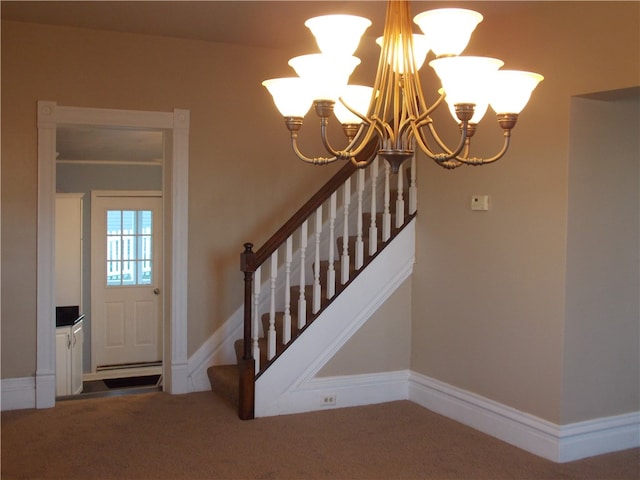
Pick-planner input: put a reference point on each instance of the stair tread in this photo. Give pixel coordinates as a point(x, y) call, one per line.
point(224, 381)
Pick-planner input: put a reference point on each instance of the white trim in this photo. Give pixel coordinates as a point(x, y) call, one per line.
point(598, 436)
point(178, 382)
point(45, 263)
point(533, 434)
point(18, 393)
point(49, 116)
point(349, 391)
point(276, 388)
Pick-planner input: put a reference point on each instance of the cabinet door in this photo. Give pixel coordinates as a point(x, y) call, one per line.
point(63, 362)
point(77, 339)
point(69, 249)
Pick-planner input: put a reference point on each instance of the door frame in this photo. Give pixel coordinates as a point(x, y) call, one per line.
point(175, 194)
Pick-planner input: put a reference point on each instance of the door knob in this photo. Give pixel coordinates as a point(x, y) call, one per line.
point(156, 291)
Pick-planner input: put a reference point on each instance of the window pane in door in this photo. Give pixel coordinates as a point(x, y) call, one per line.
point(129, 247)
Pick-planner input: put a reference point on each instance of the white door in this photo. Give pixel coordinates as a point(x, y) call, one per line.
point(126, 279)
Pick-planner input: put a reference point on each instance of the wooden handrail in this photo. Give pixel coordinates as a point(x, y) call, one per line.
point(278, 238)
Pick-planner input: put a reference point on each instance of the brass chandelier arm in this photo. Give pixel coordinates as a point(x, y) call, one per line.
point(325, 138)
point(475, 161)
point(294, 124)
point(424, 118)
point(448, 154)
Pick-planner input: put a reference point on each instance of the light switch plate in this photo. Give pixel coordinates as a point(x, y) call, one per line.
point(480, 202)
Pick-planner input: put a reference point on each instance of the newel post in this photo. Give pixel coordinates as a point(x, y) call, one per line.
point(247, 363)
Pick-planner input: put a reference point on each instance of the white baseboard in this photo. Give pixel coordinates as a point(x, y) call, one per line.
point(18, 393)
point(554, 442)
point(599, 436)
point(178, 381)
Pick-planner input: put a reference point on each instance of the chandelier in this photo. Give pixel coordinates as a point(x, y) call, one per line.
point(392, 117)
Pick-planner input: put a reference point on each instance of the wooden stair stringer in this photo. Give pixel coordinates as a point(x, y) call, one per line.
point(281, 388)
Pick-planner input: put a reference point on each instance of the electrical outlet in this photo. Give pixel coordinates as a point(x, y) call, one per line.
point(328, 399)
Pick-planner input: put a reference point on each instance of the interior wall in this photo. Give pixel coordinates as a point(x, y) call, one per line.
point(602, 348)
point(382, 344)
point(238, 145)
point(489, 287)
point(488, 291)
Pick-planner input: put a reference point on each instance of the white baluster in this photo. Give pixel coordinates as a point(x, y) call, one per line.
point(331, 272)
point(413, 189)
point(302, 302)
point(345, 239)
point(386, 215)
point(255, 328)
point(359, 242)
point(317, 292)
point(373, 228)
point(286, 324)
point(271, 335)
point(400, 199)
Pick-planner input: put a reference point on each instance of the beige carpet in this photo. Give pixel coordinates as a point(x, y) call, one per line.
point(198, 436)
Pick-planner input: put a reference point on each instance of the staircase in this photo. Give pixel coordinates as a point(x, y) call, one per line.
point(294, 283)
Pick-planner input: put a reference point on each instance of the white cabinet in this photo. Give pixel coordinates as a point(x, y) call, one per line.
point(69, 249)
point(69, 342)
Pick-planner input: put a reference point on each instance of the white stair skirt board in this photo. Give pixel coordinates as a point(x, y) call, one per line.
point(558, 443)
point(280, 389)
point(217, 350)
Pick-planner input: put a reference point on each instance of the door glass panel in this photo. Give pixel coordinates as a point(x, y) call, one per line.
point(129, 247)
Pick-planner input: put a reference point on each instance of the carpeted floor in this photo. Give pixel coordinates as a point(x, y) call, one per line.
point(198, 436)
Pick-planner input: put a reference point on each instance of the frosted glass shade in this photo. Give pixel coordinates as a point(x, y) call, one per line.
point(448, 30)
point(326, 75)
point(512, 90)
point(420, 50)
point(290, 95)
point(338, 34)
point(358, 97)
point(466, 79)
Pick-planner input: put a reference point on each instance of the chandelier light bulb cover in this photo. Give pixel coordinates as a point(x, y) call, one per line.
point(357, 97)
point(420, 51)
point(448, 30)
point(393, 114)
point(324, 73)
point(338, 34)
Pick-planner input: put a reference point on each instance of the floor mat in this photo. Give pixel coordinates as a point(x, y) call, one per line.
point(127, 382)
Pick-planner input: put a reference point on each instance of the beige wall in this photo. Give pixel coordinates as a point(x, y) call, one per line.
point(488, 293)
point(239, 153)
point(489, 288)
point(382, 344)
point(602, 353)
